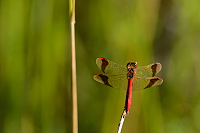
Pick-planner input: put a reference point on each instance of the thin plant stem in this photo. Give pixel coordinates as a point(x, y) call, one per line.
point(74, 83)
point(121, 121)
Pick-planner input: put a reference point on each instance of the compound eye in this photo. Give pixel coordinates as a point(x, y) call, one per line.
point(133, 64)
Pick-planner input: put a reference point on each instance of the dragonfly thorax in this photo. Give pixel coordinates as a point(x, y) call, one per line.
point(131, 66)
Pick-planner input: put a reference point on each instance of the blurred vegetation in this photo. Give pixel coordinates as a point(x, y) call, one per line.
point(35, 93)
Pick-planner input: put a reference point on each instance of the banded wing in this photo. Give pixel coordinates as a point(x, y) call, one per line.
point(115, 81)
point(149, 70)
point(115, 74)
point(140, 83)
point(111, 68)
point(144, 77)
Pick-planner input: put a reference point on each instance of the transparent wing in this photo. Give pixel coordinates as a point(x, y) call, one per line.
point(110, 67)
point(116, 81)
point(140, 83)
point(116, 75)
point(149, 70)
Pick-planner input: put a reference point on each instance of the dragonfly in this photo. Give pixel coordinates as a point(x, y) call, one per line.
point(130, 77)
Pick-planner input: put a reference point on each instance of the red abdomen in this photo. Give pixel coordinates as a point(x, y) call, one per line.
point(128, 96)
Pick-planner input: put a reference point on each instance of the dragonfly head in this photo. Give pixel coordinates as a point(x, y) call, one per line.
point(131, 65)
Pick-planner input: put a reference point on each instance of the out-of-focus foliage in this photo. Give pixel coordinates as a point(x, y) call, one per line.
point(35, 94)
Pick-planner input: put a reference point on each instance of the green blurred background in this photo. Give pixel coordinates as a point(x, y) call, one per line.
point(35, 93)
